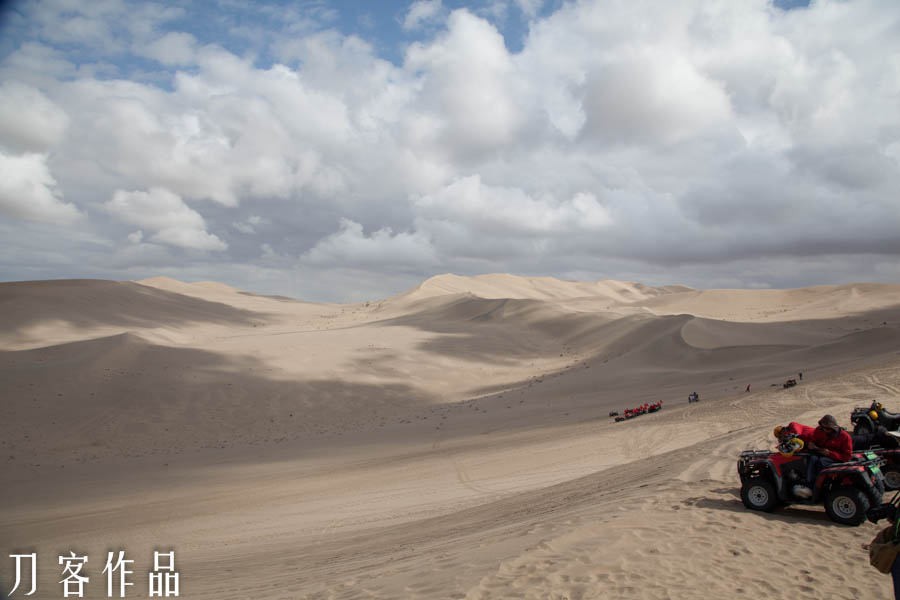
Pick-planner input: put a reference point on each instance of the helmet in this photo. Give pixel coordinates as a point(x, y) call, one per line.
point(778, 431)
point(789, 446)
point(873, 414)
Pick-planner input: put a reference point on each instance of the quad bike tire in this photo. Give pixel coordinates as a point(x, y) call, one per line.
point(846, 505)
point(891, 477)
point(862, 427)
point(759, 494)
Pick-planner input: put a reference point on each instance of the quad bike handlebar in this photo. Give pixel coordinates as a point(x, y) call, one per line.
point(789, 444)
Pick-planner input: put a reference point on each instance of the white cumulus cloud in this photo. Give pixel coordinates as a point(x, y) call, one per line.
point(470, 101)
point(421, 12)
point(174, 48)
point(702, 140)
point(165, 213)
point(28, 191)
point(511, 211)
point(29, 120)
point(351, 247)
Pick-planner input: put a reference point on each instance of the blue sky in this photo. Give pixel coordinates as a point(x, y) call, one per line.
point(380, 24)
point(229, 23)
point(315, 150)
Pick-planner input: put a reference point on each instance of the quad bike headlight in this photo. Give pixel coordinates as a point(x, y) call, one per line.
point(873, 414)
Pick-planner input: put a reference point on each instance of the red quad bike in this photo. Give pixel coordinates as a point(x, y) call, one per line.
point(790, 383)
point(891, 468)
point(846, 489)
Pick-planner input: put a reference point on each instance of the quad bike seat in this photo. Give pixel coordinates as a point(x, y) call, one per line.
point(890, 420)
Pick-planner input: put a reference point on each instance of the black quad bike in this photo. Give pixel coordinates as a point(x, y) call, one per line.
point(847, 490)
point(868, 419)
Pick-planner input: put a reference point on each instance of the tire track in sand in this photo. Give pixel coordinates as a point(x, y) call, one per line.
point(462, 474)
point(875, 381)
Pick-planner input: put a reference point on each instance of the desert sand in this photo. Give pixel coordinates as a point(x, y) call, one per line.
point(449, 442)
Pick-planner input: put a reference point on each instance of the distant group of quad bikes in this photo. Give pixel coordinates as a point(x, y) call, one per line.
point(630, 413)
point(851, 491)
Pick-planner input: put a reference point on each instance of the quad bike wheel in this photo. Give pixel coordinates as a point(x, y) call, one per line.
point(891, 477)
point(759, 494)
point(862, 427)
point(846, 505)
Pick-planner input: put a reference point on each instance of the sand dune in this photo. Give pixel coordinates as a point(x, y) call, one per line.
point(820, 302)
point(505, 286)
point(42, 313)
point(452, 441)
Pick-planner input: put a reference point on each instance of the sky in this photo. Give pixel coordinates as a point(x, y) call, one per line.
point(328, 152)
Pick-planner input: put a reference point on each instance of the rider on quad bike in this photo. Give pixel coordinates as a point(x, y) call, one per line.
point(829, 444)
point(847, 489)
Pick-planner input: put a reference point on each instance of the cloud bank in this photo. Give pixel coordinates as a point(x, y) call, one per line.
point(711, 143)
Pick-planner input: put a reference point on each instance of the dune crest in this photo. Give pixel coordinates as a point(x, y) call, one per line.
point(533, 288)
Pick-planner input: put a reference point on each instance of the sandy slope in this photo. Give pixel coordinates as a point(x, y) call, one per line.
point(452, 441)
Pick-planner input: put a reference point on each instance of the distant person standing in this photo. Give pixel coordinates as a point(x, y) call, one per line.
point(800, 375)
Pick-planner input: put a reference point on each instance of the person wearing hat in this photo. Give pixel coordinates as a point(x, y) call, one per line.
point(829, 444)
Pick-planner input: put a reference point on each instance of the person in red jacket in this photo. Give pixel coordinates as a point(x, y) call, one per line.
point(804, 432)
point(831, 441)
point(828, 444)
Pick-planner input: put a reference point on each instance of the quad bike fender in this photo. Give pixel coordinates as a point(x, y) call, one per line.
point(859, 413)
point(850, 475)
point(862, 421)
point(762, 469)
